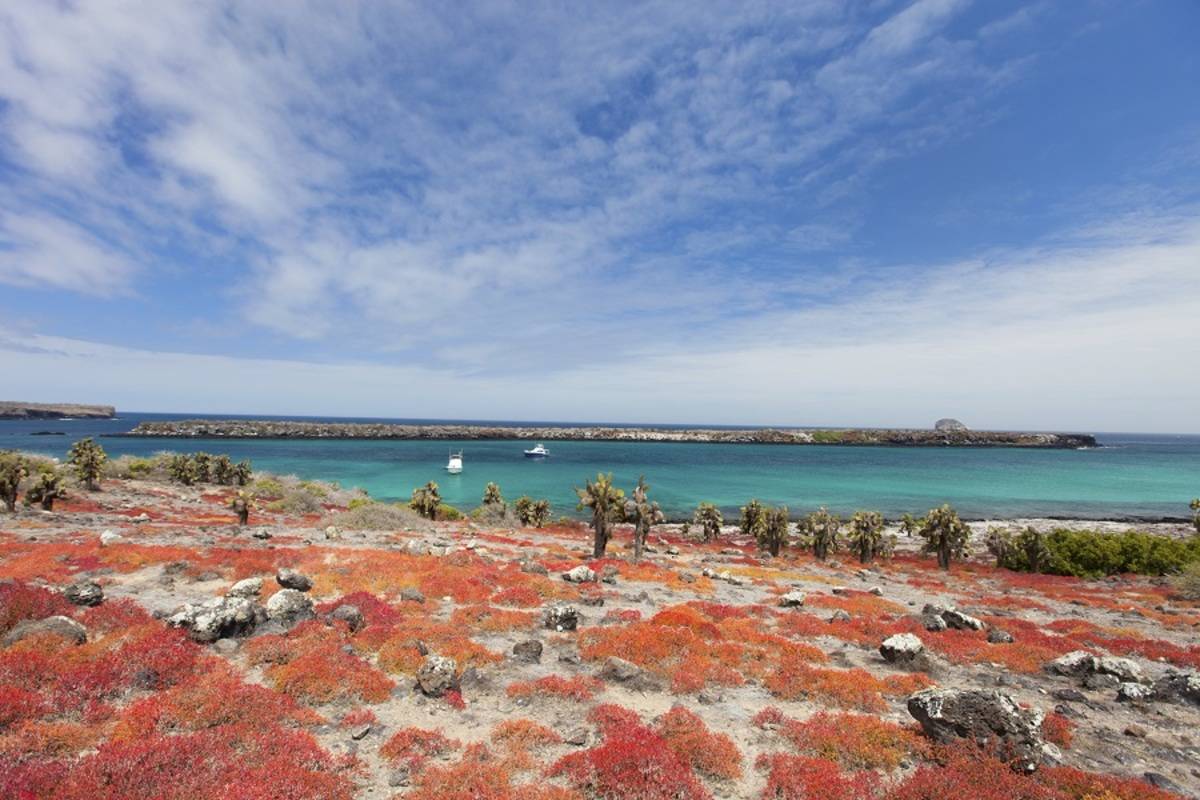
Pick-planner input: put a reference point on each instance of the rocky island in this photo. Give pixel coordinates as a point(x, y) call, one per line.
point(958, 436)
point(13, 410)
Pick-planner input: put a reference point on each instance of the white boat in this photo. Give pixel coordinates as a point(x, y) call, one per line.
point(537, 452)
point(455, 464)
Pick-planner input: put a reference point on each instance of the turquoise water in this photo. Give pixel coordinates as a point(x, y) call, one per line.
point(1142, 476)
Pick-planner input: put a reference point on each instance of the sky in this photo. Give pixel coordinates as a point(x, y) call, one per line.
point(817, 212)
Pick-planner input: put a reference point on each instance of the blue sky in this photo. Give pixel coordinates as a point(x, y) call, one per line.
point(799, 213)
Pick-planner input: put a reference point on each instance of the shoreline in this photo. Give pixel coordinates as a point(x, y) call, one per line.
point(850, 437)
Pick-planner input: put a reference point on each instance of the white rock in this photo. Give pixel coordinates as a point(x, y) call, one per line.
point(792, 600)
point(108, 538)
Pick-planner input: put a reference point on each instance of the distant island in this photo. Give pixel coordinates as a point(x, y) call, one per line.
point(10, 409)
point(956, 435)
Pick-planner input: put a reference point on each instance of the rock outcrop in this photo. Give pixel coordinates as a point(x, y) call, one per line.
point(983, 715)
point(13, 410)
point(63, 627)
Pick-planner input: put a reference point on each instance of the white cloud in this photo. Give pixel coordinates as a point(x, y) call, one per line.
point(44, 252)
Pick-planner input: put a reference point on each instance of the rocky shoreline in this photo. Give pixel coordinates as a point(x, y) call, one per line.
point(279, 429)
point(15, 410)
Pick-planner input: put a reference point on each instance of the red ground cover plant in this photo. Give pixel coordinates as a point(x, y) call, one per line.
point(216, 698)
point(853, 741)
point(1058, 730)
point(357, 717)
point(519, 597)
point(631, 761)
point(414, 747)
point(693, 646)
point(847, 688)
point(713, 755)
point(580, 688)
point(492, 619)
point(964, 770)
point(519, 739)
point(480, 774)
point(21, 601)
point(791, 777)
point(310, 664)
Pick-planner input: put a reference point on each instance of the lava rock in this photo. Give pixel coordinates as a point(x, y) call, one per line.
point(412, 595)
point(792, 600)
point(999, 636)
point(981, 715)
point(64, 627)
point(349, 614)
point(247, 588)
point(580, 574)
point(561, 617)
point(436, 676)
point(902, 648)
point(289, 606)
point(528, 651)
point(1130, 692)
point(291, 579)
point(618, 670)
point(1074, 664)
point(84, 593)
point(219, 618)
point(1178, 686)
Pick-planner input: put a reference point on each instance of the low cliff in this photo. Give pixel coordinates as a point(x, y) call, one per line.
point(269, 429)
point(14, 410)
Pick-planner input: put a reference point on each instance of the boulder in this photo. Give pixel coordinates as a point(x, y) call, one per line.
point(84, 593)
point(902, 648)
point(619, 670)
point(1131, 692)
point(412, 595)
point(609, 574)
point(933, 622)
point(580, 574)
point(1076, 663)
point(289, 606)
point(247, 588)
point(63, 627)
point(998, 636)
point(560, 617)
point(534, 568)
point(983, 715)
point(528, 651)
point(349, 614)
point(221, 617)
point(949, 425)
point(109, 538)
point(962, 622)
point(840, 615)
point(1178, 686)
point(1125, 669)
point(291, 579)
point(437, 675)
point(792, 600)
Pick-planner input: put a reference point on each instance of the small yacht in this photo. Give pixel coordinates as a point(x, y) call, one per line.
point(537, 452)
point(455, 464)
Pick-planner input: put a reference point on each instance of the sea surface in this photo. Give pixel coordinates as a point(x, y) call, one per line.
point(1131, 476)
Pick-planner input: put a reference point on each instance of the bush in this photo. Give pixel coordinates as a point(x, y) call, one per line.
point(297, 500)
point(1187, 583)
point(1091, 554)
point(449, 513)
point(369, 515)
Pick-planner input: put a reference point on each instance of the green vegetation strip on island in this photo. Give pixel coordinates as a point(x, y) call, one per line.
point(279, 429)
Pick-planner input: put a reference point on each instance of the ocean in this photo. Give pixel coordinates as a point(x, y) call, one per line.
point(1130, 476)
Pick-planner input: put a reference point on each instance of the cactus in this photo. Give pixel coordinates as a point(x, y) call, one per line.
point(1195, 507)
point(492, 496)
point(644, 513)
point(866, 536)
point(1032, 545)
point(532, 512)
point(999, 542)
point(910, 524)
point(221, 471)
point(946, 535)
point(607, 503)
point(182, 469)
point(12, 471)
point(821, 530)
point(752, 519)
point(773, 529)
point(425, 500)
point(242, 472)
point(709, 518)
point(240, 503)
point(88, 457)
point(46, 489)
point(202, 466)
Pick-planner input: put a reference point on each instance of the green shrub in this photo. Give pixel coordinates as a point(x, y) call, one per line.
point(1187, 583)
point(297, 500)
point(1091, 554)
point(267, 487)
point(359, 502)
point(370, 515)
point(445, 512)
